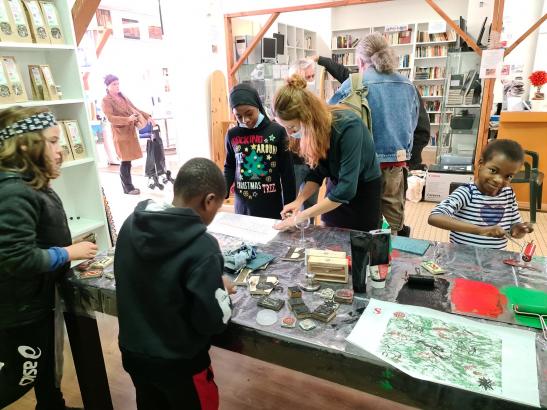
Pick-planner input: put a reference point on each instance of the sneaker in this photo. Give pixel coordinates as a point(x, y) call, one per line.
point(135, 191)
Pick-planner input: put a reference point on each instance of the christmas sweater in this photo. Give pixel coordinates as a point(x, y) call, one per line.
point(260, 167)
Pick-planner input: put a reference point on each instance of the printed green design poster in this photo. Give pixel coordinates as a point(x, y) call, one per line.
point(451, 350)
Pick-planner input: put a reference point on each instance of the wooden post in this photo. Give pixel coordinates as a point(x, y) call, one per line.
point(82, 13)
point(229, 38)
point(526, 34)
point(455, 27)
point(253, 44)
point(488, 90)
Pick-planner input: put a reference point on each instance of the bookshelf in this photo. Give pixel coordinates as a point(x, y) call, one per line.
point(422, 58)
point(299, 43)
point(78, 186)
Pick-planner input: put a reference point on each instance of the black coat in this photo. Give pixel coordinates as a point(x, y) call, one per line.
point(31, 221)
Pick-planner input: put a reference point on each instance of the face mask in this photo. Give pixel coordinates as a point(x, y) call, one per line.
point(260, 119)
point(311, 86)
point(297, 135)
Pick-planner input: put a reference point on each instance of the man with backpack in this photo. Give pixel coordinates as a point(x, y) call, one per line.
point(394, 106)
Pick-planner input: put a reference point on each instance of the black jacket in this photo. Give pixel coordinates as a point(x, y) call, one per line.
point(170, 294)
point(31, 221)
point(422, 133)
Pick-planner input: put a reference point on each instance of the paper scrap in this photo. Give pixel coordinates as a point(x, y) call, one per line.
point(491, 62)
point(448, 349)
point(247, 228)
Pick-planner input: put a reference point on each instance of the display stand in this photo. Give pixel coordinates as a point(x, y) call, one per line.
point(78, 186)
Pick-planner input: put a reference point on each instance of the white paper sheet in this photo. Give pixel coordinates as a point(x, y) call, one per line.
point(247, 228)
point(491, 62)
point(448, 349)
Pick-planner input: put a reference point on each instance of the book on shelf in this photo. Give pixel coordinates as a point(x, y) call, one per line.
point(425, 37)
point(434, 118)
point(345, 41)
point(405, 73)
point(430, 90)
point(432, 105)
point(399, 37)
point(429, 73)
point(404, 61)
point(344, 58)
point(431, 51)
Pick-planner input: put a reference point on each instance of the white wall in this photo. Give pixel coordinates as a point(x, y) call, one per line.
point(540, 61)
point(394, 12)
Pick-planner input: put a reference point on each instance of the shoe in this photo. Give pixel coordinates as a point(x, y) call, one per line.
point(135, 191)
point(168, 178)
point(405, 231)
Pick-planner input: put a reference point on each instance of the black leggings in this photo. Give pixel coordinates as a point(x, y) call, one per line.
point(363, 211)
point(125, 175)
point(27, 360)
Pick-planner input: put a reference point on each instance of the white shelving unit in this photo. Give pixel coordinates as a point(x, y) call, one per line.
point(343, 50)
point(78, 186)
point(299, 43)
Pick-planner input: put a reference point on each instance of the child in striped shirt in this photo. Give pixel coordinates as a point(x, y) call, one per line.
point(485, 212)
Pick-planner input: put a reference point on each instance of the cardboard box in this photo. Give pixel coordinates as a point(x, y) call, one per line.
point(36, 22)
point(6, 94)
point(437, 184)
point(22, 29)
point(15, 79)
point(52, 89)
point(53, 22)
point(8, 32)
point(74, 137)
point(39, 88)
point(65, 144)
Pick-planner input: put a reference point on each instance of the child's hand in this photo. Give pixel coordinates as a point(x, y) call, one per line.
point(494, 231)
point(228, 285)
point(81, 250)
point(519, 230)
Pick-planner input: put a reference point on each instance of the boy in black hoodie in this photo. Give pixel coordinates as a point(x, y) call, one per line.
point(171, 294)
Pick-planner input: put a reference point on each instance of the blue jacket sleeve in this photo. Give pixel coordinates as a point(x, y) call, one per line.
point(341, 93)
point(351, 142)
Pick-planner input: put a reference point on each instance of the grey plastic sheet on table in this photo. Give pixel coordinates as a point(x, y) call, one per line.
point(460, 261)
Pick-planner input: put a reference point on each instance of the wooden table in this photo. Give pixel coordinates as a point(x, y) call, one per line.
point(323, 351)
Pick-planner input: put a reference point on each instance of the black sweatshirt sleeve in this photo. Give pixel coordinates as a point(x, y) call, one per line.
point(286, 168)
point(338, 71)
point(19, 215)
point(422, 134)
point(229, 165)
point(210, 306)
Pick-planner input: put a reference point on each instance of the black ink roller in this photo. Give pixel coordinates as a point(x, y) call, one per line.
point(420, 281)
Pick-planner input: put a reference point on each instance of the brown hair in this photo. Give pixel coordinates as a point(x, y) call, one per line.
point(374, 49)
point(294, 102)
point(31, 160)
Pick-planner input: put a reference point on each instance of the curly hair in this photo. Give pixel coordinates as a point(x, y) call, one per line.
point(294, 102)
point(26, 153)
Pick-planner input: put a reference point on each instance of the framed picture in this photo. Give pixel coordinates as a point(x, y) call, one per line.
point(131, 29)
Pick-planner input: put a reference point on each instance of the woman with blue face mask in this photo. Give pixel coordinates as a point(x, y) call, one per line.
point(258, 163)
point(337, 146)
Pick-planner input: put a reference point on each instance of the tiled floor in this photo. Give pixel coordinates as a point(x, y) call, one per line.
point(416, 213)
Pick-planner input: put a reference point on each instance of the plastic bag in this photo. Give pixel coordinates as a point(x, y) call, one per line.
point(415, 188)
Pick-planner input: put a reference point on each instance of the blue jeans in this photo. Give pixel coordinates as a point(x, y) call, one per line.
point(300, 172)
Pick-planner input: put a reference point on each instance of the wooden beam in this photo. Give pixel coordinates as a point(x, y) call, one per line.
point(102, 42)
point(253, 44)
point(526, 34)
point(229, 39)
point(488, 90)
point(455, 27)
point(82, 13)
point(316, 6)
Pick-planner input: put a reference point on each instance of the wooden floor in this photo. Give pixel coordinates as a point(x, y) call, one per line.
point(244, 383)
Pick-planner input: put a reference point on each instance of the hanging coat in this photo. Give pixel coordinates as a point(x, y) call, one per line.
point(124, 133)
